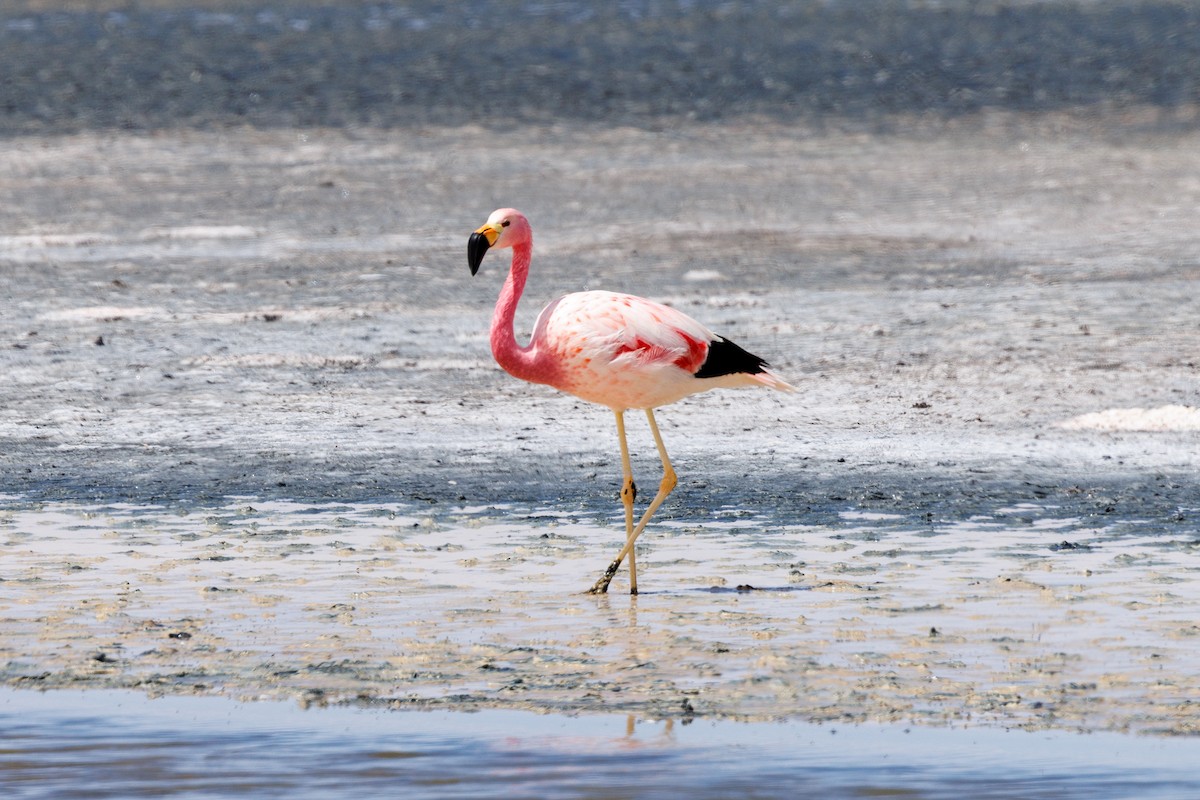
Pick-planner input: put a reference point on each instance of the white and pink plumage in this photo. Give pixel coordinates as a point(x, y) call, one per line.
point(617, 350)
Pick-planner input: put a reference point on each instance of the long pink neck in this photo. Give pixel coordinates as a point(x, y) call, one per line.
point(521, 362)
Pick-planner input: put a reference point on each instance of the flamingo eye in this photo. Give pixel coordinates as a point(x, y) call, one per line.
point(504, 224)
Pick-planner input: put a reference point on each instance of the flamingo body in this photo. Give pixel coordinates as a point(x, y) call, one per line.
point(616, 350)
point(624, 352)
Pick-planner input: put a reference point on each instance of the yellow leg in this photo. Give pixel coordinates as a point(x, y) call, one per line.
point(628, 495)
point(669, 481)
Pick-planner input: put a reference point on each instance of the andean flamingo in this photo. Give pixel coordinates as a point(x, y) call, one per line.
point(617, 350)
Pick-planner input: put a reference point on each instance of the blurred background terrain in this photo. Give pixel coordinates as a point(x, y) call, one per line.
point(150, 64)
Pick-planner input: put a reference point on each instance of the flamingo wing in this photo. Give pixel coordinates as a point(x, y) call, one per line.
point(654, 334)
point(650, 333)
point(625, 330)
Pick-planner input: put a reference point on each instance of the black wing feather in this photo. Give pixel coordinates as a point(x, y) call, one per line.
point(726, 358)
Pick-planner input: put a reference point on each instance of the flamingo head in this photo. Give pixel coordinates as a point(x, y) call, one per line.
point(506, 227)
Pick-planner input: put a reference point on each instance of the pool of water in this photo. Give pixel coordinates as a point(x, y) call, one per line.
point(120, 744)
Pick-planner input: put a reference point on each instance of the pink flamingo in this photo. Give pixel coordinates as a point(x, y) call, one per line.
point(617, 350)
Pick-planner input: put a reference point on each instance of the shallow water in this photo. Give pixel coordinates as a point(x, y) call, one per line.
point(120, 744)
point(1027, 616)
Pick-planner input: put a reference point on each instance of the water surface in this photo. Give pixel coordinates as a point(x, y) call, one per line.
point(111, 744)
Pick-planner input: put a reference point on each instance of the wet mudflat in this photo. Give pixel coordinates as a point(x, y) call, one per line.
point(1019, 618)
point(260, 449)
point(253, 445)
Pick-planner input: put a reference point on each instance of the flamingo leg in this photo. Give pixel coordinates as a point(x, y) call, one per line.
point(628, 495)
point(669, 481)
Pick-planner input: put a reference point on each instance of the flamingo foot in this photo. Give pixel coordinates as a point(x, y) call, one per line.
point(601, 586)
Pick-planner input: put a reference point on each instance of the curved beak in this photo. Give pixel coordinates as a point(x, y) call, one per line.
point(478, 244)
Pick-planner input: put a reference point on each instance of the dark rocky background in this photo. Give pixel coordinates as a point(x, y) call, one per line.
point(148, 65)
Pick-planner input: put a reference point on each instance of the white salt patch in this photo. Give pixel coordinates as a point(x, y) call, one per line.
point(54, 240)
point(274, 360)
point(201, 232)
point(700, 275)
point(293, 315)
point(1163, 418)
point(433, 364)
point(102, 313)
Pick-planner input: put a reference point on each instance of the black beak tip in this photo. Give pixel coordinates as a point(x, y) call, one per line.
point(477, 247)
